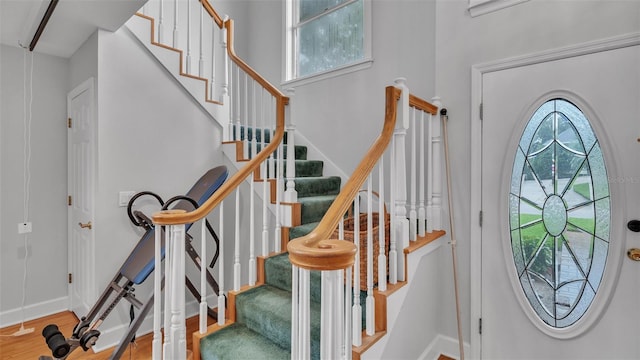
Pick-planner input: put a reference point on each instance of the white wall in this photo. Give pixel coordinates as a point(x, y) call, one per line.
point(47, 244)
point(403, 45)
point(462, 41)
point(151, 136)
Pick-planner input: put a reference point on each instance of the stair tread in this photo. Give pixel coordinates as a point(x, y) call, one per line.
point(236, 341)
point(313, 208)
point(267, 310)
point(317, 185)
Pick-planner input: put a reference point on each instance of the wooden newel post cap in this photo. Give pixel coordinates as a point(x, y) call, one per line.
point(165, 217)
point(329, 254)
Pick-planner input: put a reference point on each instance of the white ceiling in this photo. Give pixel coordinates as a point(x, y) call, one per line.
point(72, 22)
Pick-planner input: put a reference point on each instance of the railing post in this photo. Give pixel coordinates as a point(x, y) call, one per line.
point(436, 173)
point(175, 344)
point(331, 315)
point(290, 194)
point(161, 23)
point(400, 230)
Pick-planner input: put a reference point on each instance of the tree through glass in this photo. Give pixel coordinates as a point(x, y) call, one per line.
point(559, 213)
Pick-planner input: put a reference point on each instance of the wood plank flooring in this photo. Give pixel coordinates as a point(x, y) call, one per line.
point(31, 346)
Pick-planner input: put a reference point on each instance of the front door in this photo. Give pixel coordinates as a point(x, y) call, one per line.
point(81, 159)
point(560, 181)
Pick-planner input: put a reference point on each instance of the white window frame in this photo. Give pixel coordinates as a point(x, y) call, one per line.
point(290, 63)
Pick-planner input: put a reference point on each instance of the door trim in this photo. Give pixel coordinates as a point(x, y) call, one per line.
point(477, 72)
point(87, 85)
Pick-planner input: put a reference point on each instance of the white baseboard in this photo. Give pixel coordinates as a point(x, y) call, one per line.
point(111, 337)
point(444, 345)
point(34, 311)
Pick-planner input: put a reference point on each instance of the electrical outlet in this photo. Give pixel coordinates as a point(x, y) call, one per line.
point(24, 227)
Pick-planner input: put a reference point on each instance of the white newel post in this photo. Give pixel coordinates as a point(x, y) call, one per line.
point(175, 345)
point(399, 210)
point(436, 160)
point(290, 194)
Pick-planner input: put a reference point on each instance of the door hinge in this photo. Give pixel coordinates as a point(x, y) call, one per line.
point(480, 326)
point(69, 200)
point(70, 278)
point(481, 111)
point(69, 122)
point(480, 218)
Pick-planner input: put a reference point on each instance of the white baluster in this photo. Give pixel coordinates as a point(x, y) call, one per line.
point(161, 23)
point(429, 227)
point(188, 37)
point(236, 253)
point(279, 185)
point(264, 174)
point(236, 101)
point(212, 81)
point(382, 254)
point(295, 312)
point(305, 315)
point(156, 347)
point(221, 298)
point(393, 253)
point(252, 233)
point(245, 114)
point(400, 211)
point(265, 200)
point(203, 277)
point(201, 43)
point(370, 303)
point(225, 58)
point(175, 25)
point(413, 215)
point(290, 194)
point(357, 309)
point(348, 317)
point(437, 170)
point(422, 216)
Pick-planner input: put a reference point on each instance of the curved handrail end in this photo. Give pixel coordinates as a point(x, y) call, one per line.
point(330, 254)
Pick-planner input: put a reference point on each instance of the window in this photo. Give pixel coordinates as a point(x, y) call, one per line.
point(325, 35)
point(559, 213)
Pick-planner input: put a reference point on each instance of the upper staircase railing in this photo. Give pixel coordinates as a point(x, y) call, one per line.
point(341, 262)
point(257, 116)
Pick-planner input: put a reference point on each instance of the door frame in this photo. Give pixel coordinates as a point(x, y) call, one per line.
point(87, 85)
point(475, 208)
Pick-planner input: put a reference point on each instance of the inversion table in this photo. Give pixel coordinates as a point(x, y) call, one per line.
point(135, 270)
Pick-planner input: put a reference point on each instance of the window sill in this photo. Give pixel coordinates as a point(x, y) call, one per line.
point(481, 7)
point(343, 70)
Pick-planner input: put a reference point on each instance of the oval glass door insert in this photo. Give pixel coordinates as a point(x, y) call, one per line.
point(559, 213)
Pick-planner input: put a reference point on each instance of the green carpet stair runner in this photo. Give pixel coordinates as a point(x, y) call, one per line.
point(263, 314)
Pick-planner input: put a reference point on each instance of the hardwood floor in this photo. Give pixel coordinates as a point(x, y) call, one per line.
point(31, 346)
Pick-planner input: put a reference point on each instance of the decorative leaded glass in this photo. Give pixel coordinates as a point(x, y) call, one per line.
point(559, 213)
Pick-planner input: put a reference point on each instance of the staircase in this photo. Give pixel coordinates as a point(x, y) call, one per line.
point(262, 327)
point(259, 316)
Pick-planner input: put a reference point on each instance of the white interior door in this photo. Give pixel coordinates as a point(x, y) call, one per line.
point(574, 238)
point(81, 159)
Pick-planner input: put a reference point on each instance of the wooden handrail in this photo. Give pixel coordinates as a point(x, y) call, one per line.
point(167, 218)
point(212, 12)
point(423, 105)
point(316, 251)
